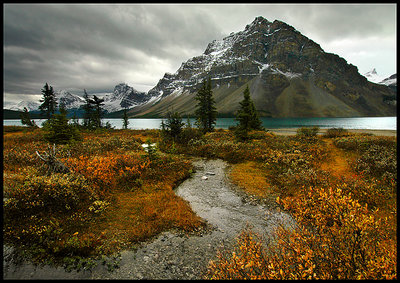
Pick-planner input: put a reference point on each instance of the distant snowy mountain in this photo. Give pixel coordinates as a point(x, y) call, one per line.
point(124, 96)
point(69, 100)
point(390, 81)
point(374, 77)
point(30, 105)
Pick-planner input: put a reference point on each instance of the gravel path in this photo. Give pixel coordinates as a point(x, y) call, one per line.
point(174, 255)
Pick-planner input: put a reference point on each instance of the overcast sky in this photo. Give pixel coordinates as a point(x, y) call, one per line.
point(97, 46)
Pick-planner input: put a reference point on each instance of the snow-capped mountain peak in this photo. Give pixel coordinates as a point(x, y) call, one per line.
point(19, 106)
point(123, 96)
point(373, 76)
point(372, 72)
point(70, 101)
point(392, 80)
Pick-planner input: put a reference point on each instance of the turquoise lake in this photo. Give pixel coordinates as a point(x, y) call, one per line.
point(371, 123)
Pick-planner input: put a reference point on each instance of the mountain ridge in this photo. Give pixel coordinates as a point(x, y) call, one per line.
point(289, 75)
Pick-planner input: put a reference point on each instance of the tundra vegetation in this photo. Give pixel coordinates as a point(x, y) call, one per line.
point(113, 194)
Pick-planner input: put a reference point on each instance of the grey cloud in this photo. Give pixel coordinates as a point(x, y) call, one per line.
point(62, 43)
point(328, 22)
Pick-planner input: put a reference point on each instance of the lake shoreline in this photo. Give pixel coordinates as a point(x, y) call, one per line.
point(283, 131)
point(292, 131)
point(273, 124)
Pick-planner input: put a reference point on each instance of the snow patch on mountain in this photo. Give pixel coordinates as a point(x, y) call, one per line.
point(19, 106)
point(69, 100)
point(373, 76)
point(123, 97)
point(289, 75)
point(390, 81)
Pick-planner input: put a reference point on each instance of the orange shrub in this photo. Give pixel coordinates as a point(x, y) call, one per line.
point(335, 238)
point(106, 171)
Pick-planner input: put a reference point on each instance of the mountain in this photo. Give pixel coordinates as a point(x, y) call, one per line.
point(30, 105)
point(69, 100)
point(124, 96)
point(373, 76)
point(391, 82)
point(288, 74)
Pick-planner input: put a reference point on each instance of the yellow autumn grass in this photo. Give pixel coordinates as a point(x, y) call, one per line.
point(251, 178)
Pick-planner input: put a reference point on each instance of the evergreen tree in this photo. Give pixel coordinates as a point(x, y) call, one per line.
point(58, 130)
point(125, 118)
point(201, 117)
point(211, 109)
point(26, 119)
point(97, 103)
point(49, 103)
point(173, 126)
point(93, 112)
point(247, 116)
point(87, 111)
point(206, 112)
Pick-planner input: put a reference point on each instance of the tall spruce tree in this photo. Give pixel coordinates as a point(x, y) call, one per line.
point(87, 111)
point(201, 117)
point(173, 125)
point(49, 103)
point(97, 104)
point(247, 116)
point(125, 119)
point(206, 111)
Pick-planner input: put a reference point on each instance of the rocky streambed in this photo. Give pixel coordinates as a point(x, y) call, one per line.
point(175, 255)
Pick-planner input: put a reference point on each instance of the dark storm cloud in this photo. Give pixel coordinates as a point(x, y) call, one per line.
point(95, 46)
point(100, 29)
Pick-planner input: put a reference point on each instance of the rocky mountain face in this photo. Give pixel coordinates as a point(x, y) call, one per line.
point(391, 82)
point(63, 97)
point(30, 105)
point(373, 76)
point(288, 74)
point(124, 96)
point(70, 101)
